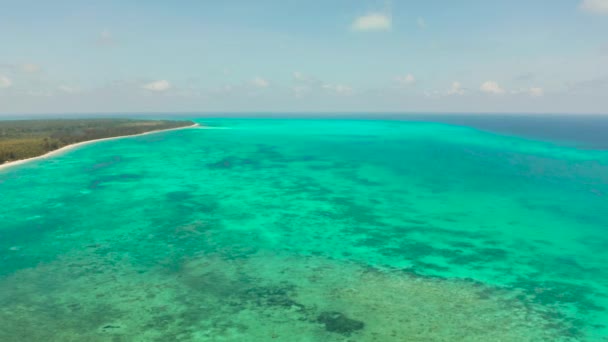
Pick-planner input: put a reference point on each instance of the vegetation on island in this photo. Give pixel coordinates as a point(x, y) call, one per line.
point(22, 139)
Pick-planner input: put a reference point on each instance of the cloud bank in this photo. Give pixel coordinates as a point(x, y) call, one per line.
point(595, 6)
point(159, 86)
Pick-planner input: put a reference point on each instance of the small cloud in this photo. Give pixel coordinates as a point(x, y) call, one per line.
point(456, 89)
point(432, 94)
point(30, 68)
point(536, 92)
point(595, 6)
point(491, 87)
point(301, 88)
point(259, 82)
point(105, 38)
point(69, 90)
point(305, 85)
point(532, 92)
point(407, 80)
point(421, 23)
point(300, 77)
point(5, 82)
point(159, 86)
point(373, 22)
point(339, 89)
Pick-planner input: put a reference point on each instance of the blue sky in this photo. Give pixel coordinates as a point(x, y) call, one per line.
point(548, 56)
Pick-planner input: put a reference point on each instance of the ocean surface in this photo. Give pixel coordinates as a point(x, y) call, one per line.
point(311, 230)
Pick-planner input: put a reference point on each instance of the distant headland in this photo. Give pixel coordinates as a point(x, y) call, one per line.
point(24, 140)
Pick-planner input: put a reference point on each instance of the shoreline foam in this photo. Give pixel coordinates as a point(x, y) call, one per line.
point(80, 144)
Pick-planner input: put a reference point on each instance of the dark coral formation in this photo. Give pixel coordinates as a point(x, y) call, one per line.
point(339, 323)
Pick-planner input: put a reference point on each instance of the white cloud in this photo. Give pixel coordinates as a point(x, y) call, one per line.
point(298, 76)
point(408, 79)
point(305, 85)
point(432, 94)
point(492, 87)
point(373, 22)
point(339, 89)
point(228, 88)
point(421, 23)
point(532, 92)
point(305, 79)
point(69, 90)
point(595, 6)
point(536, 92)
point(161, 85)
point(259, 82)
point(5, 82)
point(456, 89)
point(105, 38)
point(30, 68)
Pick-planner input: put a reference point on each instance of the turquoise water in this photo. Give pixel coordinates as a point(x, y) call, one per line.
point(307, 230)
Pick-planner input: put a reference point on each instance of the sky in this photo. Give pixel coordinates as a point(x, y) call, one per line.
point(414, 56)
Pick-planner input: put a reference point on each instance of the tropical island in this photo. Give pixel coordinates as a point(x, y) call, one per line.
point(24, 139)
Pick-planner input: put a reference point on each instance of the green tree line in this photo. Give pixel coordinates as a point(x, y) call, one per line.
point(22, 139)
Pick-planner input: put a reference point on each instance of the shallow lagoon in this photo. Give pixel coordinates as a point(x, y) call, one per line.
point(307, 230)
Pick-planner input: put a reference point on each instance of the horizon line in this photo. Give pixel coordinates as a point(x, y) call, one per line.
point(249, 113)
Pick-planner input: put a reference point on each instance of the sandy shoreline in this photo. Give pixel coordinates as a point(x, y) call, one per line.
point(73, 146)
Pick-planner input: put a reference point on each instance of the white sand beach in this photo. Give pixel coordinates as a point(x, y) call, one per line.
point(80, 144)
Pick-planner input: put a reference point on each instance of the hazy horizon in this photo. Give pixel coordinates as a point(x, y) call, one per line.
point(273, 114)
